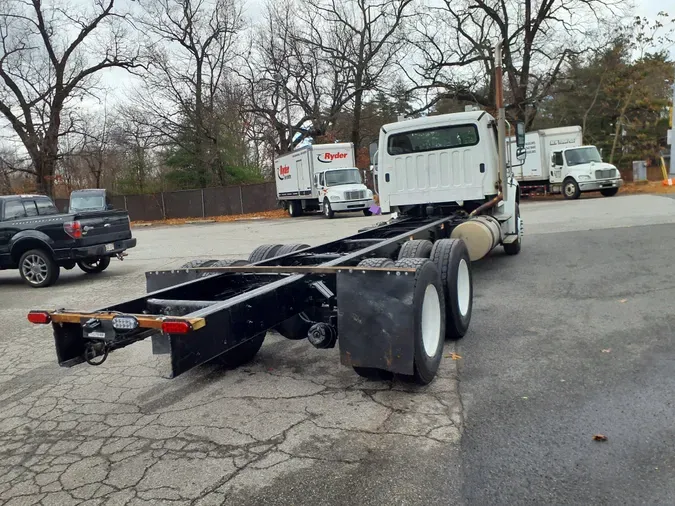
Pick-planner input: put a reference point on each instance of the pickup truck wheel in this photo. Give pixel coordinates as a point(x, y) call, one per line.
point(38, 268)
point(451, 256)
point(570, 189)
point(94, 265)
point(242, 354)
point(609, 192)
point(328, 210)
point(428, 319)
point(418, 248)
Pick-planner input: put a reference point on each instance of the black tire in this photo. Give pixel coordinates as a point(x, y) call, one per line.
point(367, 212)
point(328, 210)
point(95, 265)
point(376, 262)
point(372, 373)
point(448, 255)
point(570, 189)
point(38, 269)
point(418, 248)
point(290, 248)
point(609, 192)
point(193, 264)
point(428, 354)
point(242, 354)
point(295, 208)
point(513, 248)
point(264, 252)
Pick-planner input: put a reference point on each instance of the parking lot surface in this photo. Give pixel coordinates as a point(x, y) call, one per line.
point(294, 426)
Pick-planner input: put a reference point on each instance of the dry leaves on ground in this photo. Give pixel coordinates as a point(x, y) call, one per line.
point(599, 437)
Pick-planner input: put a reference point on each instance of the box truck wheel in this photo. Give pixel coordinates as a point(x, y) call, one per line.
point(451, 256)
point(570, 189)
point(264, 252)
point(295, 208)
point(609, 192)
point(327, 209)
point(429, 319)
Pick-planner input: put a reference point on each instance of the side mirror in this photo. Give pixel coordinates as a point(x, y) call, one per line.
point(521, 154)
point(520, 135)
point(109, 207)
point(372, 151)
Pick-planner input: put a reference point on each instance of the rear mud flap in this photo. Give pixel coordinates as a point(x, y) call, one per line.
point(375, 319)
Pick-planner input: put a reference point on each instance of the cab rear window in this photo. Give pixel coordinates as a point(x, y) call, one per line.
point(433, 139)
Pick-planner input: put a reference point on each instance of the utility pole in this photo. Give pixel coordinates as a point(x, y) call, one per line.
point(671, 135)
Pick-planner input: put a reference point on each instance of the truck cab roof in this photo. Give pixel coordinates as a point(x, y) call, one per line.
point(22, 196)
point(440, 119)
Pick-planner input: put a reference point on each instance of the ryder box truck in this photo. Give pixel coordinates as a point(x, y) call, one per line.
point(321, 177)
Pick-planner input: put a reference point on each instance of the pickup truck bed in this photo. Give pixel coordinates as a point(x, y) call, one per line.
point(36, 239)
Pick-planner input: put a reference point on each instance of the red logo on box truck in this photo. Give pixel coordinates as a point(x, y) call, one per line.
point(329, 157)
point(284, 172)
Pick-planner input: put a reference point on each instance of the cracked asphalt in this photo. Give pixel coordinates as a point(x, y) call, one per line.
point(294, 426)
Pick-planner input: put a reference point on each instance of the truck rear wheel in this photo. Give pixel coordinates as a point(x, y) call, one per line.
point(94, 265)
point(376, 262)
point(242, 354)
point(570, 189)
point(418, 248)
point(295, 208)
point(264, 252)
point(451, 256)
point(290, 248)
point(38, 269)
point(428, 320)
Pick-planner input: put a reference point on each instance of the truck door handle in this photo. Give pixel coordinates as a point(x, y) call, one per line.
point(386, 177)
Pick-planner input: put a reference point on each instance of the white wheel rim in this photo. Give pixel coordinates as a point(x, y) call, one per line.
point(569, 189)
point(463, 287)
point(431, 321)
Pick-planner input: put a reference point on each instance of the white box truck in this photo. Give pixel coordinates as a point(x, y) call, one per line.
point(558, 162)
point(322, 177)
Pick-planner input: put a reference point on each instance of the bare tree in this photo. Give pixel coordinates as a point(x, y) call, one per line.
point(359, 40)
point(454, 42)
point(197, 40)
point(50, 54)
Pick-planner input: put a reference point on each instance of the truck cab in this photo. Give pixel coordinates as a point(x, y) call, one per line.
point(581, 169)
point(342, 190)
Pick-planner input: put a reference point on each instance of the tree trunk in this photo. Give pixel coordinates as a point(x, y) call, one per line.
point(356, 121)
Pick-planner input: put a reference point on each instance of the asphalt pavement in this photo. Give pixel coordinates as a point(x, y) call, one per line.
point(569, 339)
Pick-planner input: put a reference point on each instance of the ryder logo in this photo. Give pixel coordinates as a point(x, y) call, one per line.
point(329, 157)
point(284, 172)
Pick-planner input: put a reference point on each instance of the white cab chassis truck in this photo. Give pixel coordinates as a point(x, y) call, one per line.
point(321, 177)
point(558, 162)
point(388, 296)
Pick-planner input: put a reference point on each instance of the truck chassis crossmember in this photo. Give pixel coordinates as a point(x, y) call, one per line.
point(199, 314)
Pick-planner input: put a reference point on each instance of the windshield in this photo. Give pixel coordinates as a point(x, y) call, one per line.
point(346, 176)
point(87, 202)
point(582, 155)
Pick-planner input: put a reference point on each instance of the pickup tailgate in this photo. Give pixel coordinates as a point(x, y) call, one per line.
point(99, 227)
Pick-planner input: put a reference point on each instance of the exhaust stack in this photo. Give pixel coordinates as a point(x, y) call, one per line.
point(501, 118)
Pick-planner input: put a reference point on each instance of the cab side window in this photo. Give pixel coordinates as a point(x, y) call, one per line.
point(14, 209)
point(31, 208)
point(558, 158)
point(46, 207)
point(322, 179)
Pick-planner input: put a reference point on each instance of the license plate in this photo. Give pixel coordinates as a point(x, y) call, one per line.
point(109, 247)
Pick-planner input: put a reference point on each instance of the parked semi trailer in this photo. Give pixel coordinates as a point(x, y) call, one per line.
point(388, 295)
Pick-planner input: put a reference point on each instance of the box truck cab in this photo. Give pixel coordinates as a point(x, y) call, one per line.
point(342, 190)
point(321, 177)
point(558, 162)
point(581, 169)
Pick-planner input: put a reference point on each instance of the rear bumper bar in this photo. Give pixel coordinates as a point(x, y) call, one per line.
point(98, 250)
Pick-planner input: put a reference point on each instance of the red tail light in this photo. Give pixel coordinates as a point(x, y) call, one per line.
point(176, 327)
point(39, 317)
point(73, 229)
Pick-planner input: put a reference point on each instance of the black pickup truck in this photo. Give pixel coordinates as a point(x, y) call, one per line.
point(36, 239)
